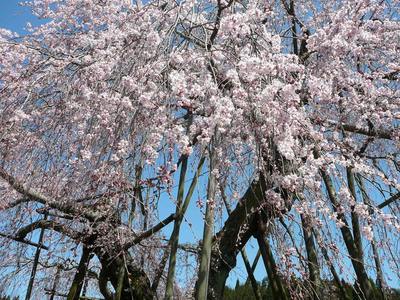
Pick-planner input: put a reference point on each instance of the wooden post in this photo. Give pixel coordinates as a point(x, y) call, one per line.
point(35, 263)
point(77, 283)
point(55, 282)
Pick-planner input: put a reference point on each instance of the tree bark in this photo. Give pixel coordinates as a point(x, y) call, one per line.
point(136, 285)
point(313, 265)
point(77, 283)
point(356, 258)
point(35, 263)
point(278, 289)
point(205, 257)
point(231, 238)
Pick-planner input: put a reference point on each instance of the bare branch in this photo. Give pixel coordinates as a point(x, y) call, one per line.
point(151, 231)
point(46, 224)
point(24, 241)
point(389, 201)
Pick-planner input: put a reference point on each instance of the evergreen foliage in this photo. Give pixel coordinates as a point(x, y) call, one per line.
point(244, 291)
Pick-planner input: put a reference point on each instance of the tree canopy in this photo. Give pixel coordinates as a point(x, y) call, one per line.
point(281, 117)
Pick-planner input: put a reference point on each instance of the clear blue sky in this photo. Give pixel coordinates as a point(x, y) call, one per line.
point(13, 16)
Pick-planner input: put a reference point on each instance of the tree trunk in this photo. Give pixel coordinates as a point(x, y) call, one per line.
point(205, 258)
point(249, 269)
point(313, 266)
point(278, 290)
point(136, 285)
point(231, 238)
point(35, 263)
point(356, 259)
point(174, 240)
point(77, 283)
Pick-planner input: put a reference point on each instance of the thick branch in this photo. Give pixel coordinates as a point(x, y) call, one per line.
point(151, 231)
point(46, 224)
point(389, 201)
point(17, 202)
point(380, 133)
point(32, 195)
point(249, 270)
point(231, 238)
point(24, 241)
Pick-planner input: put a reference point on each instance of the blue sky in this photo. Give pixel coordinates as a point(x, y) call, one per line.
point(13, 16)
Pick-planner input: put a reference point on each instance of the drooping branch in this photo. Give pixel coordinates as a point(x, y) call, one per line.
point(335, 275)
point(230, 239)
point(379, 274)
point(245, 258)
point(312, 257)
point(47, 224)
point(292, 238)
point(33, 195)
point(151, 231)
point(24, 241)
point(356, 257)
point(354, 216)
point(389, 201)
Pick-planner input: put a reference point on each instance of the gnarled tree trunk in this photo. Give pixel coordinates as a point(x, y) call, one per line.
point(135, 284)
point(232, 238)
